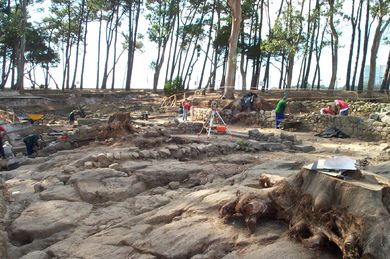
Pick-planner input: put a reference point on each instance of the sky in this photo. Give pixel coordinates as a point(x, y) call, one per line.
point(143, 74)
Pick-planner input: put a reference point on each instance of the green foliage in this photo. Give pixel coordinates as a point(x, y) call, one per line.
point(37, 52)
point(222, 38)
point(242, 144)
point(173, 87)
point(285, 36)
point(161, 18)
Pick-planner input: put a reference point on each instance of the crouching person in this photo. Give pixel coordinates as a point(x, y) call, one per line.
point(32, 143)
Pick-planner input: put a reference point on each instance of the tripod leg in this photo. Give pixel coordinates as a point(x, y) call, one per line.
point(211, 123)
point(221, 118)
point(223, 122)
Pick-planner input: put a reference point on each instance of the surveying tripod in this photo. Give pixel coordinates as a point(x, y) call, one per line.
point(210, 124)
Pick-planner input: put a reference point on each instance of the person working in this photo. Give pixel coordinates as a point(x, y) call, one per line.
point(31, 141)
point(186, 108)
point(342, 107)
point(280, 109)
point(2, 135)
point(72, 117)
point(327, 110)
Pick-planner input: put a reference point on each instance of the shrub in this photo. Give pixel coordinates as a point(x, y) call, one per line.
point(173, 87)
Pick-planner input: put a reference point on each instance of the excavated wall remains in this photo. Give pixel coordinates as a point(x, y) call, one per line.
point(358, 127)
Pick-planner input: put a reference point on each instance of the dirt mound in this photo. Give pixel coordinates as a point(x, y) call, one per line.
point(118, 124)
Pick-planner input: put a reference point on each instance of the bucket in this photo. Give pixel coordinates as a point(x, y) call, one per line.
point(221, 128)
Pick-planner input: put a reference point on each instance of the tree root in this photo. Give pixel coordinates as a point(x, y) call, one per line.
point(315, 229)
point(118, 124)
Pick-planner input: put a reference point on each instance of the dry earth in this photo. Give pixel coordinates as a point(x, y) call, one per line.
point(153, 194)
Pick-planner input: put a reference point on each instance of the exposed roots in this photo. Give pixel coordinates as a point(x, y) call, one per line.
point(331, 227)
point(118, 124)
point(249, 208)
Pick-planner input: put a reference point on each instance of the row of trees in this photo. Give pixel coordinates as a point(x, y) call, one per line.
point(212, 38)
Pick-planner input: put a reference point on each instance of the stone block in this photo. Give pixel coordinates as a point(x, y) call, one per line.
point(145, 154)
point(164, 152)
point(303, 148)
point(88, 165)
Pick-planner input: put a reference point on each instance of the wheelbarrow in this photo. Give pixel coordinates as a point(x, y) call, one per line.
point(32, 117)
point(289, 123)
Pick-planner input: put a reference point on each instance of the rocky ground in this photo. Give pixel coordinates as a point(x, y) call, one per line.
point(155, 191)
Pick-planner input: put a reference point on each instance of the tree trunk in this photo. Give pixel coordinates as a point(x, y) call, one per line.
point(386, 77)
point(235, 6)
point(47, 68)
point(208, 46)
point(334, 45)
point(84, 51)
point(365, 47)
point(375, 46)
point(79, 30)
point(243, 72)
point(133, 30)
point(109, 38)
point(99, 46)
point(115, 51)
point(281, 73)
point(266, 74)
point(290, 69)
point(173, 65)
point(69, 47)
point(22, 47)
point(359, 19)
point(310, 54)
point(349, 66)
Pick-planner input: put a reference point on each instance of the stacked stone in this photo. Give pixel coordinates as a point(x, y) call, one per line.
point(266, 118)
point(185, 128)
point(358, 127)
point(271, 142)
point(199, 114)
point(355, 106)
point(111, 160)
point(262, 118)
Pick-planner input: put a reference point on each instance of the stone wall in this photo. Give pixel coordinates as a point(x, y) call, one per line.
point(261, 118)
point(357, 127)
point(356, 107)
point(373, 129)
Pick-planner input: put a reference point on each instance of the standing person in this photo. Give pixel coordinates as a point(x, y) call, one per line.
point(342, 107)
point(2, 135)
point(31, 141)
point(280, 109)
point(72, 117)
point(186, 107)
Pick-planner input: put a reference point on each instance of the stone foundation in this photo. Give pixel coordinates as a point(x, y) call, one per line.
point(357, 127)
point(263, 118)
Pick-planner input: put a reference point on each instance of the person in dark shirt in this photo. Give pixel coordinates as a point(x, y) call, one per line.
point(72, 117)
point(31, 141)
point(2, 135)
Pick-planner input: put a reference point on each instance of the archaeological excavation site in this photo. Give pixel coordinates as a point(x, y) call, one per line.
point(97, 174)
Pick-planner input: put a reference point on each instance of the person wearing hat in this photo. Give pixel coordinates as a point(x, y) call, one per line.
point(280, 110)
